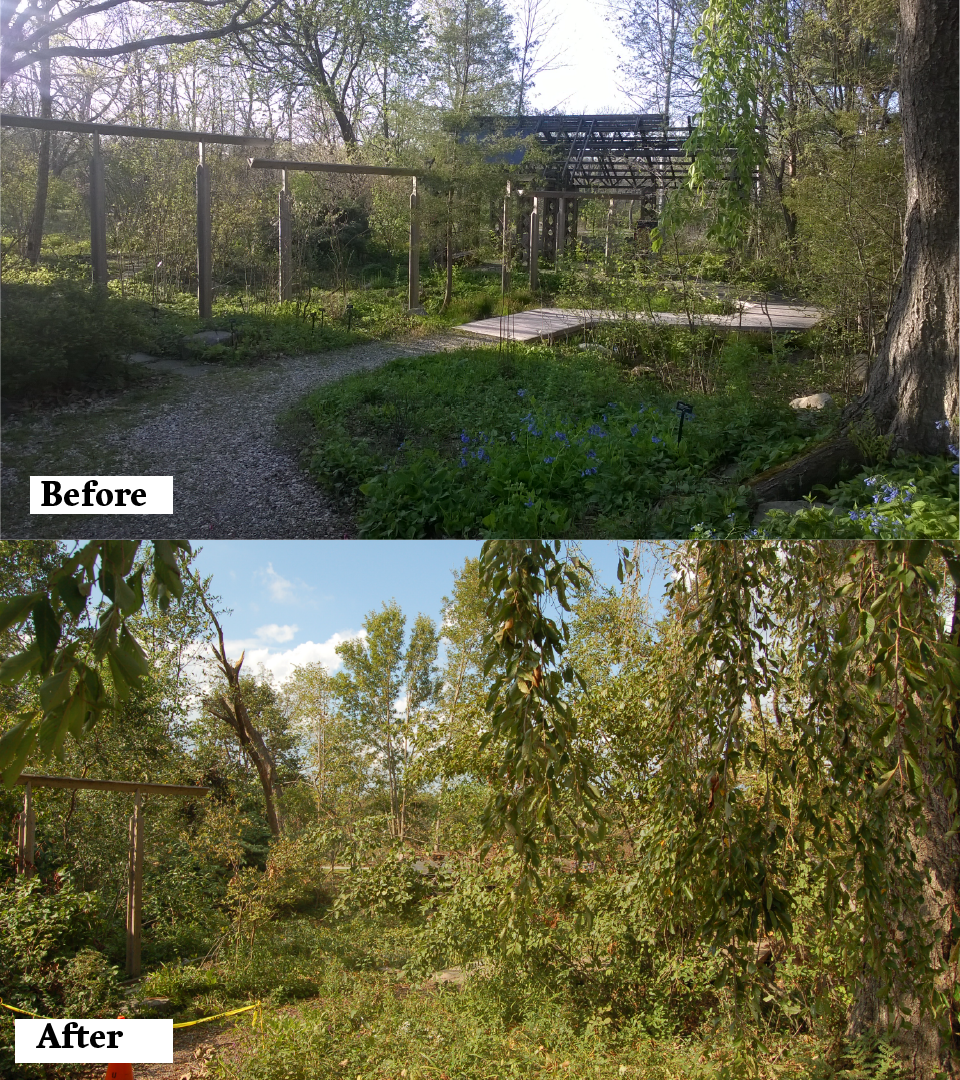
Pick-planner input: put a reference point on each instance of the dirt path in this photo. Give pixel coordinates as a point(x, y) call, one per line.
point(214, 429)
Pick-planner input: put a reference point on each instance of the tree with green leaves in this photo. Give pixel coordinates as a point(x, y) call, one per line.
point(385, 690)
point(749, 85)
point(806, 699)
point(69, 666)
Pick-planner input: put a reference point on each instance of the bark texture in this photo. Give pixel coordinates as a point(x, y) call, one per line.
point(913, 383)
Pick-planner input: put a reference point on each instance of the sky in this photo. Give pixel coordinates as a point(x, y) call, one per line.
point(292, 602)
point(587, 81)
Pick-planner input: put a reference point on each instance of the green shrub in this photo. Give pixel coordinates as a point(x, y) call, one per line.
point(59, 334)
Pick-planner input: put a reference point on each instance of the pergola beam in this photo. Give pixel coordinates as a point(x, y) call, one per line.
point(84, 128)
point(620, 196)
point(76, 783)
point(284, 226)
point(332, 166)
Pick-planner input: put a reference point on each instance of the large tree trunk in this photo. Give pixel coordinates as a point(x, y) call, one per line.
point(35, 235)
point(913, 383)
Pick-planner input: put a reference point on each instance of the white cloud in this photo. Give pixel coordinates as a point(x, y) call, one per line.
point(276, 633)
point(281, 590)
point(280, 664)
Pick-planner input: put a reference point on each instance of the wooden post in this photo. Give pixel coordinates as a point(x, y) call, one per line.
point(413, 255)
point(135, 889)
point(204, 242)
point(286, 276)
point(607, 249)
point(29, 833)
point(561, 230)
point(98, 215)
point(505, 263)
point(534, 245)
point(26, 836)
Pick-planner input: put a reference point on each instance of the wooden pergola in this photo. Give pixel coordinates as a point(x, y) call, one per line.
point(413, 256)
point(98, 195)
point(27, 829)
point(534, 243)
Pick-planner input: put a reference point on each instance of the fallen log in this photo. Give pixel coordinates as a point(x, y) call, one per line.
point(825, 464)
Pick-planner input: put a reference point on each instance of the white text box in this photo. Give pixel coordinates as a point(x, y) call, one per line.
point(96, 1041)
point(101, 494)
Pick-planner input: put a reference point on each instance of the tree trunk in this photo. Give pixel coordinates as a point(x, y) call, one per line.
point(231, 709)
point(913, 384)
point(448, 291)
point(35, 235)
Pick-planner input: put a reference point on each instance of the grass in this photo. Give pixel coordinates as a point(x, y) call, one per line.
point(340, 1006)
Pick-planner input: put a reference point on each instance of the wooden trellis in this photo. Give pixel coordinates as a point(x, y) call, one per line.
point(27, 830)
point(562, 200)
point(413, 260)
point(98, 197)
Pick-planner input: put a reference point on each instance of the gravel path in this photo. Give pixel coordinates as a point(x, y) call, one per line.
point(214, 431)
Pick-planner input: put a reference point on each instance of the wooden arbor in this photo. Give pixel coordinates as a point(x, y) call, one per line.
point(98, 197)
point(26, 840)
point(286, 276)
point(564, 200)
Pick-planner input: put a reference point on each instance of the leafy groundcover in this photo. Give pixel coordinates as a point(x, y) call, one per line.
point(544, 441)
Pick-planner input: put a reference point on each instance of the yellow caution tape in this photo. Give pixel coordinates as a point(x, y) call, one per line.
point(189, 1023)
point(219, 1016)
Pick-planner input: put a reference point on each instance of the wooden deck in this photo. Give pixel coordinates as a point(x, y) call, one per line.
point(549, 324)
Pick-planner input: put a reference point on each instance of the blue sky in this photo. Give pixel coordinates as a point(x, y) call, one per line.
point(293, 601)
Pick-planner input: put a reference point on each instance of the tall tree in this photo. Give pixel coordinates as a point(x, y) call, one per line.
point(912, 394)
point(378, 673)
point(472, 55)
point(660, 72)
point(231, 705)
point(31, 33)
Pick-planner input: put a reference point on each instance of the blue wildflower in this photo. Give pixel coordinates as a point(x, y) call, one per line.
point(596, 429)
point(521, 393)
point(655, 439)
point(591, 453)
point(464, 437)
point(634, 429)
point(589, 472)
point(549, 460)
point(953, 450)
point(529, 502)
point(561, 436)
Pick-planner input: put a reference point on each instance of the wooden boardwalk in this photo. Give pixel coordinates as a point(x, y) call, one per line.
point(548, 324)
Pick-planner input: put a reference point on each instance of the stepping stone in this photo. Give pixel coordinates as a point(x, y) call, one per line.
point(212, 337)
point(141, 358)
point(812, 401)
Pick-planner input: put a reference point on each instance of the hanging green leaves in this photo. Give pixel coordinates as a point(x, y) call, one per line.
point(70, 692)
